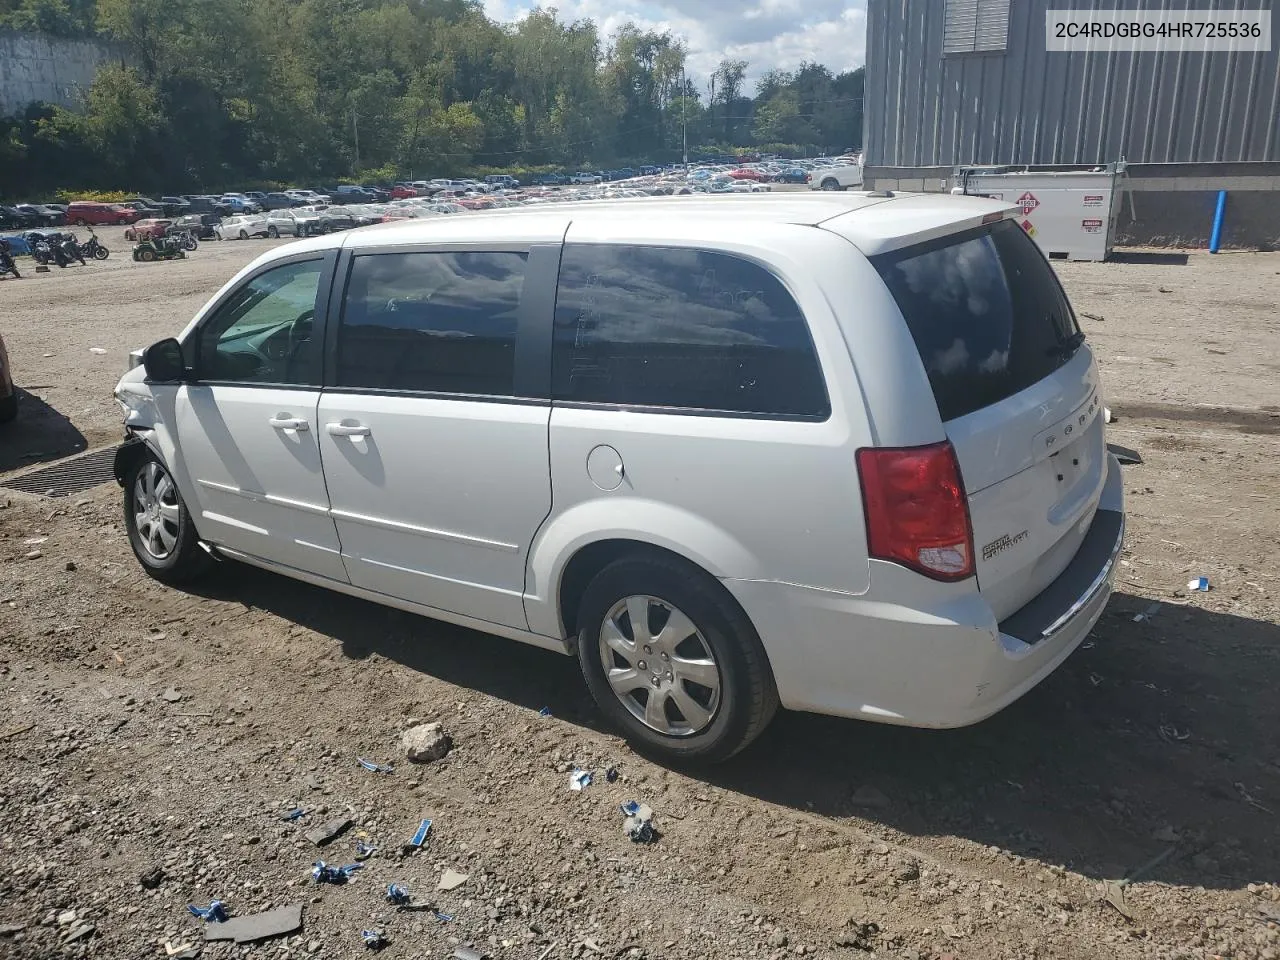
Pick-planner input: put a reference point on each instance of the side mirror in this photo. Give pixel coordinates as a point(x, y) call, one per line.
point(164, 362)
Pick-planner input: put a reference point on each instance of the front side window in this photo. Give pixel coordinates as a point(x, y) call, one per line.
point(263, 333)
point(432, 322)
point(681, 328)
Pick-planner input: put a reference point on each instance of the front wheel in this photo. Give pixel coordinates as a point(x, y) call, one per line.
point(672, 660)
point(101, 253)
point(161, 533)
point(244, 235)
point(273, 233)
point(146, 256)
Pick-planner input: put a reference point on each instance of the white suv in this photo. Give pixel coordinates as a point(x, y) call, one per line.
point(841, 452)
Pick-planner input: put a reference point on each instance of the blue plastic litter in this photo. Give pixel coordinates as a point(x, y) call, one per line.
point(322, 873)
point(544, 712)
point(365, 850)
point(215, 912)
point(374, 939)
point(611, 774)
point(398, 894)
point(375, 767)
point(630, 808)
point(1199, 585)
point(294, 814)
point(443, 917)
point(579, 780)
point(420, 835)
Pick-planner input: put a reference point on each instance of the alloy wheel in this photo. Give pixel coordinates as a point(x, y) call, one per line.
point(660, 666)
point(155, 510)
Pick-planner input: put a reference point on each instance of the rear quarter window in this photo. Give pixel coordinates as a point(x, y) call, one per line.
point(681, 328)
point(987, 314)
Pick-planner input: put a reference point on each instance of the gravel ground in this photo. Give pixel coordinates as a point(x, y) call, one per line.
point(152, 728)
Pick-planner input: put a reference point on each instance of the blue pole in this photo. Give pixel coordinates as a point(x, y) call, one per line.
point(1215, 238)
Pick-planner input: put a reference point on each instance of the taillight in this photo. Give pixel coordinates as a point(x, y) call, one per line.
point(916, 510)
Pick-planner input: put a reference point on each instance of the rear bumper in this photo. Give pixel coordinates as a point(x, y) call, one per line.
point(930, 655)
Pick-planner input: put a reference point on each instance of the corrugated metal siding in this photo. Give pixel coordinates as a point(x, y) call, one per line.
point(924, 108)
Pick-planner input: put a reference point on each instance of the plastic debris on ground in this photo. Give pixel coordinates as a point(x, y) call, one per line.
point(398, 894)
point(442, 917)
point(544, 712)
point(374, 767)
point(579, 780)
point(215, 912)
point(293, 814)
point(638, 825)
point(323, 873)
point(1147, 614)
point(420, 835)
point(374, 939)
point(467, 953)
point(365, 850)
point(612, 774)
point(1199, 585)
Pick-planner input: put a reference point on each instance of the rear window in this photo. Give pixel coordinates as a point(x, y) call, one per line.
point(986, 312)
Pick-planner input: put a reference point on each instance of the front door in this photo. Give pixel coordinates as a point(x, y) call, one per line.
point(246, 426)
point(437, 471)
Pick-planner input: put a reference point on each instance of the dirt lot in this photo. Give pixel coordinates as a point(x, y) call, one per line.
point(150, 727)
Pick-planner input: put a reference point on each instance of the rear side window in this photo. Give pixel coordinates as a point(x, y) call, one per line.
point(432, 322)
point(986, 312)
point(666, 327)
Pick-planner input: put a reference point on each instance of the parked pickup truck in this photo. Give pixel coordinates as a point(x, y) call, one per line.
point(840, 176)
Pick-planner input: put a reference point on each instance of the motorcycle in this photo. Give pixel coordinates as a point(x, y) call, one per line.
point(71, 248)
point(92, 248)
point(7, 264)
point(184, 239)
point(45, 251)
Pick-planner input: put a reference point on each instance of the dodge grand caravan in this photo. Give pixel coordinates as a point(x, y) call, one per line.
point(837, 452)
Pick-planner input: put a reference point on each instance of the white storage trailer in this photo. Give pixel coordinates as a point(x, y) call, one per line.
point(1071, 214)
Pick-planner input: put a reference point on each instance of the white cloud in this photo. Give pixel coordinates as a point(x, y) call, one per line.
point(767, 34)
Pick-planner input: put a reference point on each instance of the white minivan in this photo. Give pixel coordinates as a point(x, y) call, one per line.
point(837, 452)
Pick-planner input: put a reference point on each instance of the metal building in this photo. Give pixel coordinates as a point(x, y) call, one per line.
point(970, 82)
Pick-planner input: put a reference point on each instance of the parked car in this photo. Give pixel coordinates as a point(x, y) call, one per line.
point(8, 392)
point(748, 173)
point(175, 206)
point(242, 227)
point(584, 177)
point(11, 218)
point(238, 203)
point(791, 175)
point(502, 180)
point(48, 216)
point(84, 213)
point(203, 203)
point(146, 207)
point(279, 201)
point(292, 223)
point(943, 525)
point(550, 179)
point(308, 197)
point(837, 176)
point(404, 191)
point(200, 224)
point(147, 228)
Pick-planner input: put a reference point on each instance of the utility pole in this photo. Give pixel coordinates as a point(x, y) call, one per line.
point(684, 116)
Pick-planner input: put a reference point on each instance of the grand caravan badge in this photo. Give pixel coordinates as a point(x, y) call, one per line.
point(1001, 544)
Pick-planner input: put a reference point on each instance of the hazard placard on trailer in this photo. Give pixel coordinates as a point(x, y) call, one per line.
point(1028, 203)
point(1029, 227)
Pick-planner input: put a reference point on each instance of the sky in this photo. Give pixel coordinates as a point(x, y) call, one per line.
point(765, 33)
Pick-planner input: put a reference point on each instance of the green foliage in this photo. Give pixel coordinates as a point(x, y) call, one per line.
point(226, 93)
point(94, 196)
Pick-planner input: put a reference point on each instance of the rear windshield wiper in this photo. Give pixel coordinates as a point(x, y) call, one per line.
point(1067, 347)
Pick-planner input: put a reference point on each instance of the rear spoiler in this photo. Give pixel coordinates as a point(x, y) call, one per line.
point(906, 219)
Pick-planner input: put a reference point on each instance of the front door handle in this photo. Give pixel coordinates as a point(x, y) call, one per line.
point(289, 423)
point(347, 429)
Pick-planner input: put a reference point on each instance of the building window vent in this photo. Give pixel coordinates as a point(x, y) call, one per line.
point(975, 26)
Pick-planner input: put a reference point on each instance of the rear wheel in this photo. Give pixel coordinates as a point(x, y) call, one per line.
point(831, 183)
point(672, 660)
point(147, 255)
point(273, 233)
point(244, 235)
point(100, 252)
point(161, 533)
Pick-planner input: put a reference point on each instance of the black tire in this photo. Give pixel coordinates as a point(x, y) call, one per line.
point(8, 408)
point(81, 222)
point(273, 233)
point(146, 255)
point(101, 253)
point(244, 235)
point(831, 183)
point(187, 560)
point(748, 698)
